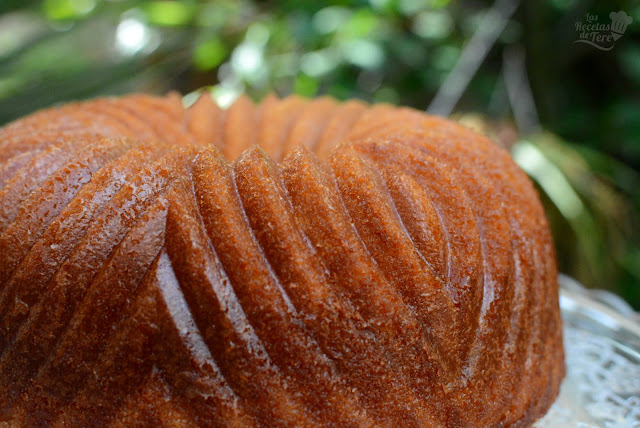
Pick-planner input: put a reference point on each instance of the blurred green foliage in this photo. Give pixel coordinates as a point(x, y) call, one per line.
point(583, 150)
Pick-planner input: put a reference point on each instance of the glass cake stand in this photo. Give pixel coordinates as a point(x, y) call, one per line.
point(602, 345)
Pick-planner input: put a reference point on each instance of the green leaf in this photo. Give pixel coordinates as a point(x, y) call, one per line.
point(306, 85)
point(169, 13)
point(209, 54)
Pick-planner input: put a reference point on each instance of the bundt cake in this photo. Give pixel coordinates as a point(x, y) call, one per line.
point(293, 263)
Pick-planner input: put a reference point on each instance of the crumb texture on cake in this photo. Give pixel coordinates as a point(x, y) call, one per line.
point(291, 263)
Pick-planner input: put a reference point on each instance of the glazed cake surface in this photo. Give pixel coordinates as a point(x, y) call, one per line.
point(291, 263)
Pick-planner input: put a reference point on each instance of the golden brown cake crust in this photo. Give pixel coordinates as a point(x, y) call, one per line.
point(292, 263)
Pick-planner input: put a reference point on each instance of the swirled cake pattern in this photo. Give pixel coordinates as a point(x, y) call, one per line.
point(292, 263)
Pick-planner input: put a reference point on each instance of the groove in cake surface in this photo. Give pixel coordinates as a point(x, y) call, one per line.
point(51, 249)
point(231, 338)
point(326, 315)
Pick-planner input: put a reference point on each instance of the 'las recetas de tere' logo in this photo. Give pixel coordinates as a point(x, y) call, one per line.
point(602, 36)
